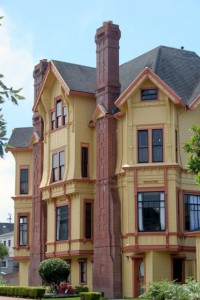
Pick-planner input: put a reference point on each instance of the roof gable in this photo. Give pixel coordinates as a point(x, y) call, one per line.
point(147, 74)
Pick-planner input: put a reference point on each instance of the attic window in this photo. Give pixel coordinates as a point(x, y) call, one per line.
point(149, 94)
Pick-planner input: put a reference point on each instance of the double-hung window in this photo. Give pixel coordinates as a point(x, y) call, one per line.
point(151, 211)
point(58, 166)
point(84, 162)
point(192, 212)
point(58, 115)
point(88, 220)
point(83, 271)
point(62, 223)
point(24, 181)
point(150, 145)
point(23, 230)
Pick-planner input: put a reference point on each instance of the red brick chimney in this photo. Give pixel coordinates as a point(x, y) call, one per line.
point(107, 228)
point(39, 214)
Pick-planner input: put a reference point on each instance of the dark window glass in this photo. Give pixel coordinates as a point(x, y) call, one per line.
point(55, 167)
point(149, 94)
point(88, 220)
point(192, 212)
point(142, 146)
point(9, 243)
point(151, 211)
point(23, 231)
point(59, 113)
point(176, 145)
point(157, 145)
point(84, 161)
point(83, 271)
point(64, 115)
point(61, 165)
point(24, 181)
point(3, 264)
point(62, 223)
point(53, 120)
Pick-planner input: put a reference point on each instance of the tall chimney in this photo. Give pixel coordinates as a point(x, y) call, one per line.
point(107, 228)
point(39, 210)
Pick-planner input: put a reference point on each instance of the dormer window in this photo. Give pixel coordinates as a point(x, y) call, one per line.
point(149, 94)
point(58, 115)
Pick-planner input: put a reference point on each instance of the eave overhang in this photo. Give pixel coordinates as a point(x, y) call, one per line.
point(51, 68)
point(147, 73)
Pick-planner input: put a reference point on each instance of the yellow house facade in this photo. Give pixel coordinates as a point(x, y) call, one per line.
point(108, 189)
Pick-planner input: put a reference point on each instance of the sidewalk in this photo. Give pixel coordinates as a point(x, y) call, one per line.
point(12, 298)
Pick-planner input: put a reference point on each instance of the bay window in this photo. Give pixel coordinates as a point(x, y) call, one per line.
point(151, 211)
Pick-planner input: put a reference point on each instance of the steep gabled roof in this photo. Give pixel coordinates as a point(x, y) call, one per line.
point(178, 68)
point(20, 138)
point(78, 78)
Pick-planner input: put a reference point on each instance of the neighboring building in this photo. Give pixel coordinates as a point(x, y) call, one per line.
point(101, 178)
point(7, 239)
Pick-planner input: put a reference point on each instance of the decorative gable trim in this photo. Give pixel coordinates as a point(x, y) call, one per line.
point(100, 112)
point(51, 67)
point(147, 73)
point(194, 103)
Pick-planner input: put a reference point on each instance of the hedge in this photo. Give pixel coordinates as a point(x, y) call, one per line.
point(90, 295)
point(22, 291)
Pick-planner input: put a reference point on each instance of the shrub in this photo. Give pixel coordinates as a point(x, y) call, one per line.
point(22, 291)
point(53, 271)
point(90, 295)
point(80, 289)
point(168, 290)
point(2, 281)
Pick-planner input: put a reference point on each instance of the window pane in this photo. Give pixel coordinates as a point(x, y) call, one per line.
point(149, 94)
point(142, 146)
point(151, 211)
point(24, 181)
point(83, 271)
point(157, 145)
point(88, 220)
point(84, 161)
point(53, 120)
point(192, 212)
point(62, 223)
point(64, 115)
point(23, 231)
point(55, 167)
point(59, 113)
point(61, 165)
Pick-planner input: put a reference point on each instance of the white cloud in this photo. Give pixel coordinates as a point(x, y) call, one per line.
point(16, 64)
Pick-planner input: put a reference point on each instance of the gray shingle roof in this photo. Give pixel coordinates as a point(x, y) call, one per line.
point(78, 78)
point(6, 227)
point(20, 137)
point(178, 68)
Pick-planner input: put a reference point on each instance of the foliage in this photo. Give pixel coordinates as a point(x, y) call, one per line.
point(2, 281)
point(53, 271)
point(168, 290)
point(192, 146)
point(80, 289)
point(6, 93)
point(4, 251)
point(90, 296)
point(22, 291)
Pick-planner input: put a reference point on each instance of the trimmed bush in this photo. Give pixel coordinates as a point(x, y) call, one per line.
point(80, 289)
point(22, 291)
point(90, 295)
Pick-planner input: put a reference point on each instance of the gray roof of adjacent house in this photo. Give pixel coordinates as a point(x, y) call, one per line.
point(20, 137)
point(178, 68)
point(6, 227)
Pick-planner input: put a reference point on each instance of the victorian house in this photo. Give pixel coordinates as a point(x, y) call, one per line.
point(101, 178)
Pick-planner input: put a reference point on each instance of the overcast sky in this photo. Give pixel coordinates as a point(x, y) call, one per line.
point(64, 30)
